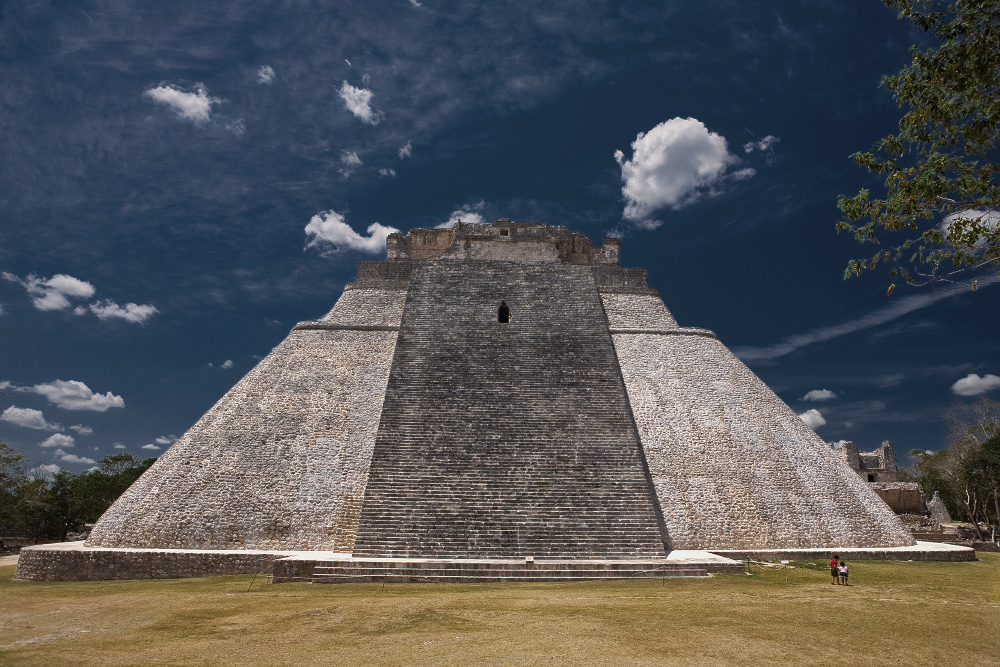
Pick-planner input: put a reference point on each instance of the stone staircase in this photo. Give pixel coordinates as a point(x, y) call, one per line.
point(506, 440)
point(491, 571)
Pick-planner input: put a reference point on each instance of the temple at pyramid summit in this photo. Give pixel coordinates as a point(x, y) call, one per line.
point(501, 399)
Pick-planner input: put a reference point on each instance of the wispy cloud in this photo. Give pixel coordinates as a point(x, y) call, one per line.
point(131, 312)
point(764, 146)
point(406, 151)
point(265, 74)
point(898, 308)
point(819, 395)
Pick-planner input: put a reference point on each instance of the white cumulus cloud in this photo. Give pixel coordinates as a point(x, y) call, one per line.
point(819, 395)
point(386, 173)
point(350, 158)
point(673, 165)
point(28, 418)
point(226, 365)
point(118, 445)
point(465, 215)
point(82, 430)
point(194, 106)
point(108, 309)
point(406, 151)
point(329, 229)
point(75, 395)
point(812, 418)
point(973, 385)
point(53, 293)
point(359, 102)
point(73, 458)
point(265, 74)
point(58, 440)
point(166, 439)
point(151, 447)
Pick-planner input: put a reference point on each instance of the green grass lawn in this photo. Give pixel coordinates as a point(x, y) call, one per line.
point(892, 614)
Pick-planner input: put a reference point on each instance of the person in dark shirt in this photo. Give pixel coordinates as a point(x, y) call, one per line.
point(503, 315)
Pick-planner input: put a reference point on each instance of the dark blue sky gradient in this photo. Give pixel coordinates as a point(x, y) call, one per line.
point(517, 106)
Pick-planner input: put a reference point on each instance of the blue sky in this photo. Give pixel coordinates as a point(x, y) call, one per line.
point(183, 182)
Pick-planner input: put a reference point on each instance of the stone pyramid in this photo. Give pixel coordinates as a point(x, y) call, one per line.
point(410, 422)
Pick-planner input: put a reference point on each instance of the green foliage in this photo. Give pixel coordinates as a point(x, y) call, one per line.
point(51, 509)
point(967, 473)
point(939, 217)
point(13, 477)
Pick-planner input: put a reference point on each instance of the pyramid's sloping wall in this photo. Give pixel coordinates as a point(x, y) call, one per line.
point(732, 465)
point(281, 461)
point(506, 440)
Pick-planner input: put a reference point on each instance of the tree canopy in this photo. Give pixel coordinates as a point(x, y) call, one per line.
point(939, 218)
point(39, 508)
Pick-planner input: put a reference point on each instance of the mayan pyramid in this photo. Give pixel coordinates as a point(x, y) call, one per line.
point(410, 422)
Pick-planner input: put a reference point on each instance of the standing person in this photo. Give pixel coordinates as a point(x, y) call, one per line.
point(843, 572)
point(834, 572)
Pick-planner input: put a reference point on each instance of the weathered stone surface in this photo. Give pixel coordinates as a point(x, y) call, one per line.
point(281, 462)
point(73, 562)
point(506, 439)
point(590, 426)
point(901, 497)
point(733, 466)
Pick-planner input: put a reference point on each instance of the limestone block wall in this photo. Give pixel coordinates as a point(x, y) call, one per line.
point(733, 466)
point(281, 461)
point(368, 307)
point(902, 497)
point(636, 311)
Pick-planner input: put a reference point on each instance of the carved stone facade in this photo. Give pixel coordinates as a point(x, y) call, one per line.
point(410, 422)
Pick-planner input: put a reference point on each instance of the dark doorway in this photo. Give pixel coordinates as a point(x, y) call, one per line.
point(503, 314)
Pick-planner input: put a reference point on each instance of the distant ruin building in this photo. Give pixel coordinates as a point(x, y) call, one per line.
point(879, 469)
point(412, 421)
point(875, 466)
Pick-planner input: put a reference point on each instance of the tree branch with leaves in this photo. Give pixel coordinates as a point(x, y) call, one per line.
point(940, 218)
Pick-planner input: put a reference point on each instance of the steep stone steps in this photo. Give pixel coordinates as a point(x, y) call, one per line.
point(437, 571)
point(503, 440)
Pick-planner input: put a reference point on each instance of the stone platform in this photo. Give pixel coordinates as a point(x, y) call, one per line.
point(929, 551)
point(72, 561)
point(485, 570)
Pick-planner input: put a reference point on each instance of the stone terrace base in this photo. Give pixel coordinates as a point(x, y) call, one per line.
point(936, 551)
point(483, 570)
point(72, 561)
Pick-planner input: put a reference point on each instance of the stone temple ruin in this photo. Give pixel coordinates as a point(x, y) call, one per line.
point(879, 469)
point(410, 423)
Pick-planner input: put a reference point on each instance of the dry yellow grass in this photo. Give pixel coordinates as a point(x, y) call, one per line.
point(895, 613)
